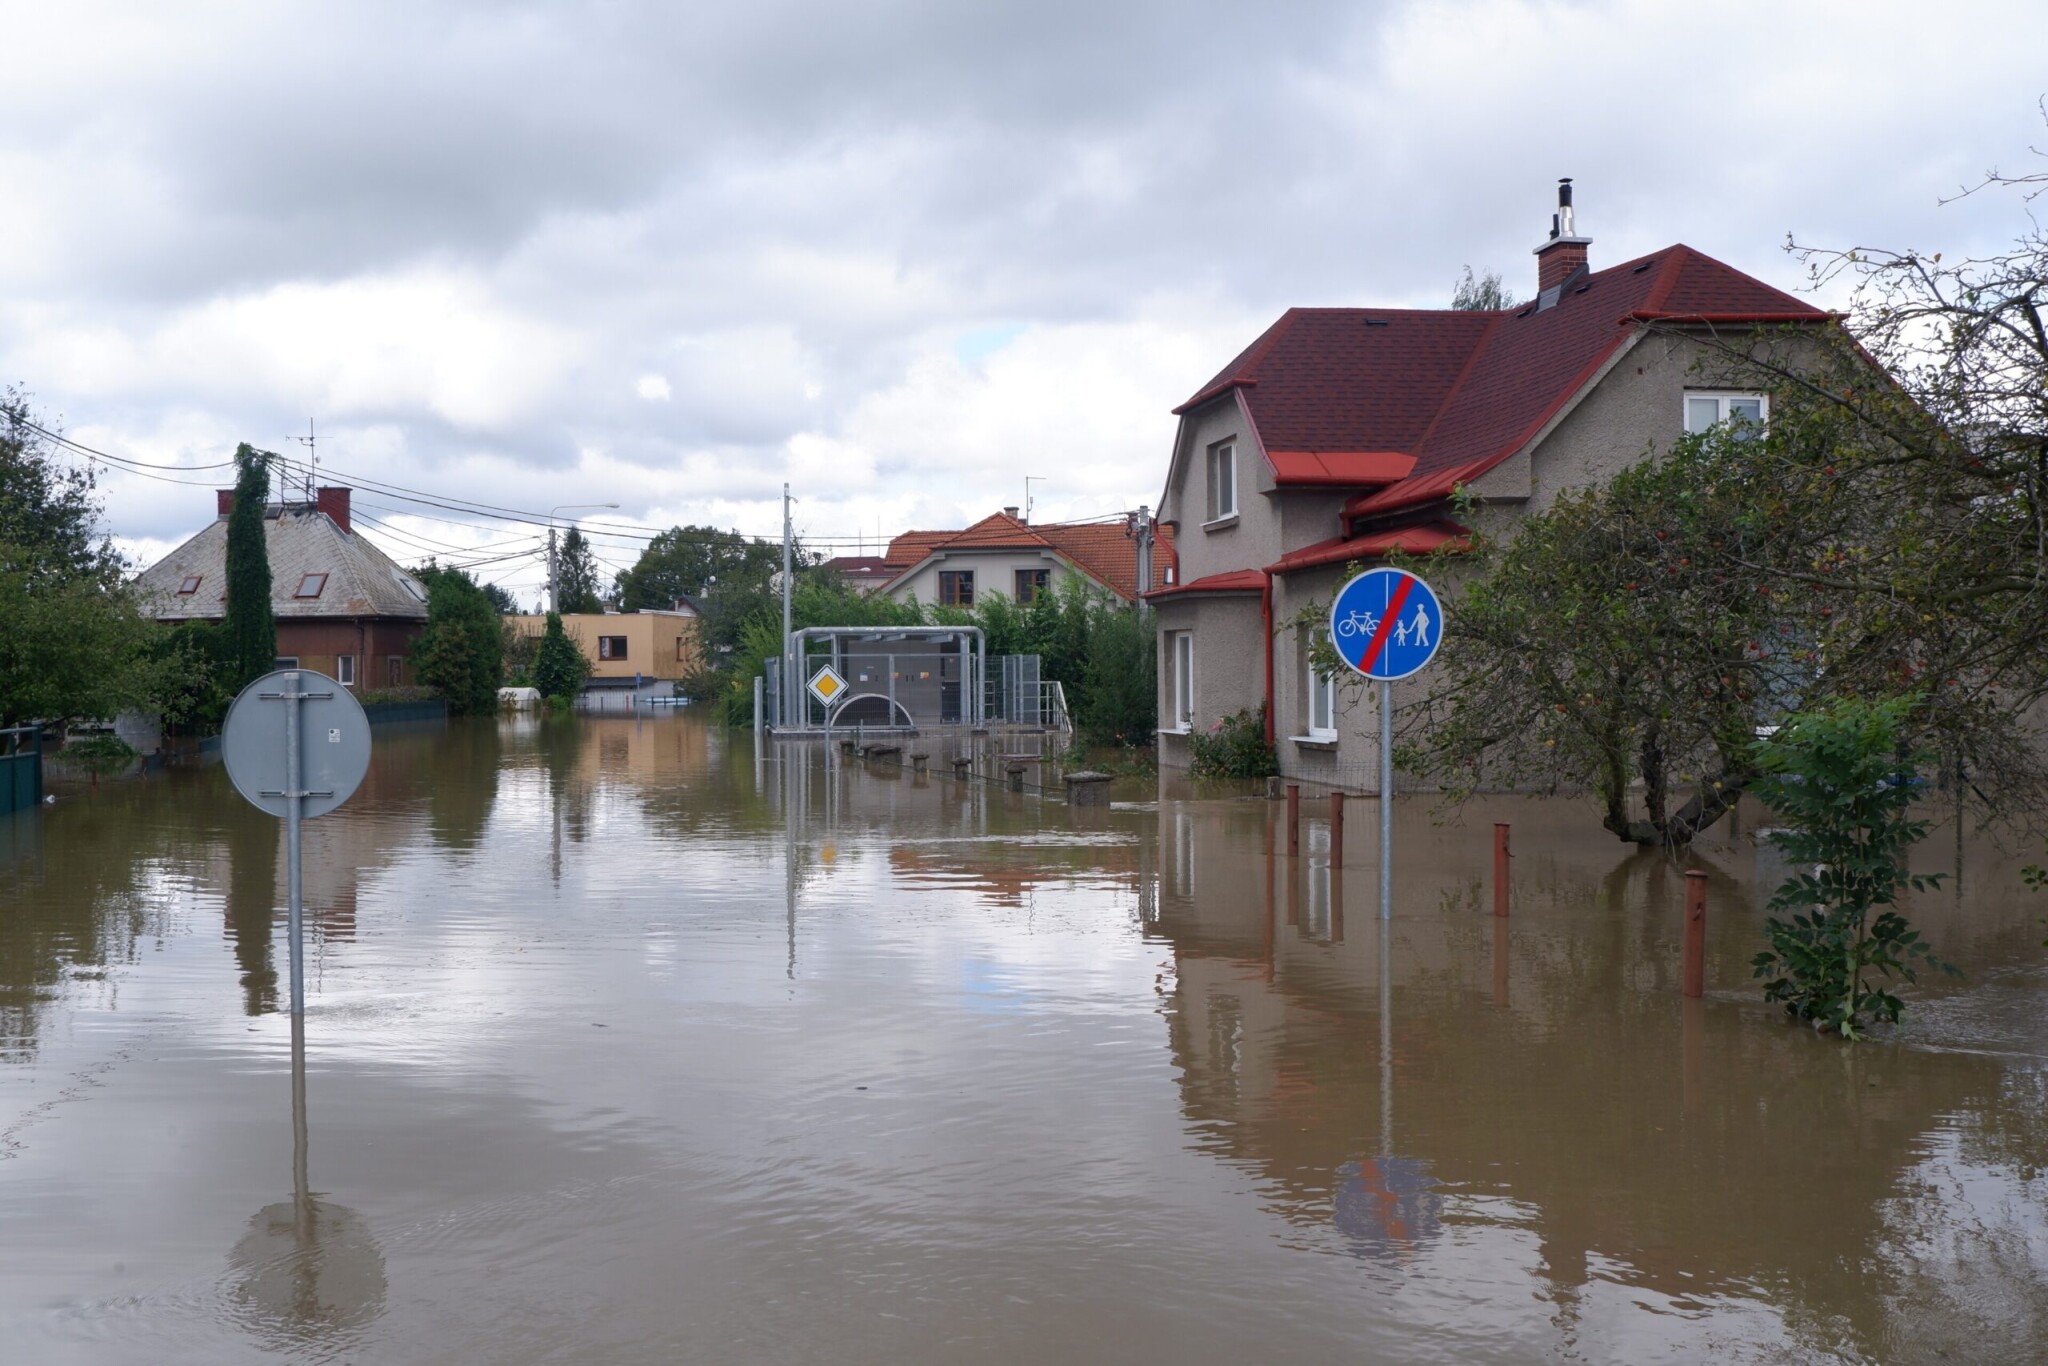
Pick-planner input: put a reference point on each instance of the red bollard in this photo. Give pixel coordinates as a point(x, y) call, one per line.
point(1293, 819)
point(1695, 931)
point(1336, 829)
point(1500, 868)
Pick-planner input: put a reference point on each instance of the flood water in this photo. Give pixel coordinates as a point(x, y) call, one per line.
point(625, 1044)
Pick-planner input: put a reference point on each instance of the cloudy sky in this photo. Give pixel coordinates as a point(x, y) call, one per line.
point(900, 254)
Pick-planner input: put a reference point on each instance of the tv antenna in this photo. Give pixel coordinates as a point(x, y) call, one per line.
point(312, 445)
point(1029, 480)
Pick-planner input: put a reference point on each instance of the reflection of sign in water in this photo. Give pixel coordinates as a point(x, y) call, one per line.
point(1388, 1204)
point(826, 684)
point(1386, 623)
point(307, 1272)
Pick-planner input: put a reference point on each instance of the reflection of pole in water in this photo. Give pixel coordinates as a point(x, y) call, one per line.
point(1500, 962)
point(307, 1270)
point(1386, 1037)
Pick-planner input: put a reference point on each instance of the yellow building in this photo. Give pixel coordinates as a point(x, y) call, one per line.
point(622, 646)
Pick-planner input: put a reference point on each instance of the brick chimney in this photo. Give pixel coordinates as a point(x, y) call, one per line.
point(1564, 254)
point(333, 502)
point(226, 501)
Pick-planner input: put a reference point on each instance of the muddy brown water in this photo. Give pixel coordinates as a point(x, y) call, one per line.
point(626, 1045)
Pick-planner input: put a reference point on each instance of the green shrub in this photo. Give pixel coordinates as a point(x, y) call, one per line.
point(1844, 777)
point(100, 754)
point(1235, 747)
point(461, 652)
point(559, 668)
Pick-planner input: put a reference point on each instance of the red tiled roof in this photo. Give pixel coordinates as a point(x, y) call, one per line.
point(912, 546)
point(1237, 581)
point(1409, 540)
point(859, 566)
point(1456, 392)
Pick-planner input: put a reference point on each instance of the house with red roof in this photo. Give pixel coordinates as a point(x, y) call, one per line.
point(1340, 435)
point(1004, 554)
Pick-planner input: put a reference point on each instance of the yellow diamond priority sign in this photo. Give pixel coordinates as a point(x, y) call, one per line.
point(826, 685)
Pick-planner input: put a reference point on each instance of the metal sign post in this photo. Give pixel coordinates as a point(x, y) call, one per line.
point(1386, 624)
point(298, 761)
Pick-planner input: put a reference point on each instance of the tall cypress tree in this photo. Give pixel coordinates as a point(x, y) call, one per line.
point(251, 625)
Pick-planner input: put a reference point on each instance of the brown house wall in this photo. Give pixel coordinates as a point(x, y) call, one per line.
point(374, 643)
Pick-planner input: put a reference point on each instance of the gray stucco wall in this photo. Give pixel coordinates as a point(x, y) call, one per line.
point(1229, 664)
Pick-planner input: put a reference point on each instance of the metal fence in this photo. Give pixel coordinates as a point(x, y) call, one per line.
point(886, 689)
point(21, 768)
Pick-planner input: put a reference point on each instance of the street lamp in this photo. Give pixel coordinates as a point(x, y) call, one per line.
point(554, 588)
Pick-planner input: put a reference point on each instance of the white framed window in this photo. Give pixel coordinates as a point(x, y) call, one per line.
point(345, 670)
point(1183, 680)
point(1744, 411)
point(1322, 704)
point(1222, 481)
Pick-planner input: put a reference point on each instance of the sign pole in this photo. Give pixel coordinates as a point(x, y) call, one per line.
point(1386, 624)
point(292, 792)
point(1386, 799)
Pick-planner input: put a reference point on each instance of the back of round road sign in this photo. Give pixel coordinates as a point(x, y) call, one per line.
point(334, 742)
point(1386, 623)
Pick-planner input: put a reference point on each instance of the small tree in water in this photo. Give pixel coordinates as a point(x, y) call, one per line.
point(560, 668)
point(1843, 777)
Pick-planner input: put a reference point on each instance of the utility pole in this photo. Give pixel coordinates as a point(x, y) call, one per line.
point(790, 683)
point(1142, 529)
point(554, 589)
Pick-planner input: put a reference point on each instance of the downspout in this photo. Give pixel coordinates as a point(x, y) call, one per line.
point(1266, 616)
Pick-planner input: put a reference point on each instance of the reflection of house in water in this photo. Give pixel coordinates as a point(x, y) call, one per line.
point(1007, 873)
point(1682, 1152)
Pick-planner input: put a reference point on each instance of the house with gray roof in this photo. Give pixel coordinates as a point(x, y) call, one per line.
point(344, 608)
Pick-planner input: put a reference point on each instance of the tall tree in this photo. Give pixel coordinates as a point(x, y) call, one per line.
point(687, 560)
point(1481, 292)
point(576, 578)
point(250, 624)
point(72, 642)
point(502, 601)
point(461, 651)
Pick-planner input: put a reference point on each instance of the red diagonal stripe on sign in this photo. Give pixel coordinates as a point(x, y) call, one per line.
point(1379, 637)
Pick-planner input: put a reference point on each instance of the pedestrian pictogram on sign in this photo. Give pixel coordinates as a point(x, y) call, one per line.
point(1386, 623)
point(826, 684)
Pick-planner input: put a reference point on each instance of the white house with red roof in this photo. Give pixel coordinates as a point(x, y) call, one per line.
point(1340, 434)
point(1004, 554)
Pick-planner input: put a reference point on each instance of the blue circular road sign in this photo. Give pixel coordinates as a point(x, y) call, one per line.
point(1386, 623)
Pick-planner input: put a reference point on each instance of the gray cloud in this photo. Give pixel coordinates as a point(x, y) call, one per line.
point(472, 240)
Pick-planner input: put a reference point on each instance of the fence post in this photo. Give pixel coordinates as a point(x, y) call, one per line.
point(1695, 931)
point(1293, 819)
point(1500, 868)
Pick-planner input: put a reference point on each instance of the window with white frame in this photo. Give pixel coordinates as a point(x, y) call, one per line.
point(1222, 481)
point(1183, 680)
point(1322, 704)
point(1745, 412)
point(345, 670)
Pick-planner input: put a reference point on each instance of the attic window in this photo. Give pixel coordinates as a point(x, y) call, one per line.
point(1643, 267)
point(310, 586)
point(188, 585)
point(1375, 322)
